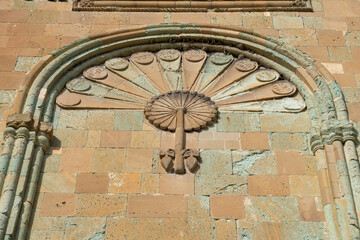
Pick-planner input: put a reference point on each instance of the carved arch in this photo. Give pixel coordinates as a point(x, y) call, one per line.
point(29, 130)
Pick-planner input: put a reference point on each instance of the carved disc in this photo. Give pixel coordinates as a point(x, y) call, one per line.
point(283, 88)
point(119, 64)
point(143, 58)
point(267, 75)
point(96, 73)
point(169, 54)
point(78, 84)
point(220, 58)
point(245, 65)
point(195, 55)
point(199, 111)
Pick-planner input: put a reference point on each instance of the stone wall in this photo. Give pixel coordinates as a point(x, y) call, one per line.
point(102, 177)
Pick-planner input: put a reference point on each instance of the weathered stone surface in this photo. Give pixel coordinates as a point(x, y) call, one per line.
point(311, 209)
point(115, 139)
point(283, 22)
point(289, 162)
point(90, 205)
point(126, 120)
point(266, 231)
point(272, 209)
point(124, 183)
point(288, 141)
point(220, 184)
point(92, 183)
point(237, 122)
point(139, 160)
point(178, 228)
point(285, 122)
point(149, 183)
point(225, 229)
point(304, 230)
point(263, 185)
point(69, 138)
point(253, 163)
point(24, 64)
point(199, 206)
point(304, 185)
point(85, 228)
point(177, 184)
point(228, 207)
point(167, 206)
point(254, 141)
point(72, 119)
point(216, 161)
point(58, 182)
point(145, 139)
point(58, 204)
point(100, 120)
point(76, 159)
point(51, 163)
point(108, 160)
point(45, 234)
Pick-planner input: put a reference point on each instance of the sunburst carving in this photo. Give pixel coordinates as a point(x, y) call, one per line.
point(181, 91)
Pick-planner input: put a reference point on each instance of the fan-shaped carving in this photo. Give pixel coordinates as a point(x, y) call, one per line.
point(181, 91)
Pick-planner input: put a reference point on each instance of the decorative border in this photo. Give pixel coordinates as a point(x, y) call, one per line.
point(192, 6)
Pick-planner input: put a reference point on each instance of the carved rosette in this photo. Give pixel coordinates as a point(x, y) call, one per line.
point(181, 92)
point(199, 111)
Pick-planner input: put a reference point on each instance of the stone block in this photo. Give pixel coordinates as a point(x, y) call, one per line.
point(263, 185)
point(267, 231)
point(345, 80)
point(140, 18)
point(177, 184)
point(106, 18)
point(310, 165)
point(10, 81)
point(100, 120)
point(334, 68)
point(76, 159)
point(352, 38)
point(311, 209)
point(145, 139)
point(220, 184)
point(313, 22)
point(199, 206)
point(354, 113)
point(58, 204)
point(43, 16)
point(108, 160)
point(115, 139)
point(299, 37)
point(85, 228)
point(17, 41)
point(168, 140)
point(51, 163)
point(216, 162)
point(25, 64)
point(238, 122)
point(225, 229)
point(328, 37)
point(352, 95)
point(254, 141)
point(167, 206)
point(304, 185)
point(92, 183)
point(272, 209)
point(283, 22)
point(97, 205)
point(288, 141)
point(289, 162)
point(257, 22)
point(139, 160)
point(284, 122)
point(63, 182)
point(124, 183)
point(319, 53)
point(340, 54)
point(69, 138)
point(253, 163)
point(353, 23)
point(72, 119)
point(8, 63)
point(45, 234)
point(128, 120)
point(25, 29)
point(93, 138)
point(304, 230)
point(228, 207)
point(149, 183)
point(167, 228)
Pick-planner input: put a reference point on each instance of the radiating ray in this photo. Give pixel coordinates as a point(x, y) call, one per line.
point(192, 62)
point(87, 87)
point(146, 62)
point(170, 61)
point(80, 101)
point(236, 71)
point(278, 89)
point(132, 74)
point(254, 80)
point(115, 81)
point(214, 66)
point(288, 104)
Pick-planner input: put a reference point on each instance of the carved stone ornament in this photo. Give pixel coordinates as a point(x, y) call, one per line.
point(191, 6)
point(181, 92)
point(20, 120)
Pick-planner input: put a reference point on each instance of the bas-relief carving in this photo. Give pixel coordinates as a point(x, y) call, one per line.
point(192, 6)
point(181, 92)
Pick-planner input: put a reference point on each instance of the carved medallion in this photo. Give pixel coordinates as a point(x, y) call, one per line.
point(181, 92)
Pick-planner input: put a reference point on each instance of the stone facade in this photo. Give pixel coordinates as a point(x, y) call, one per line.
point(262, 175)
